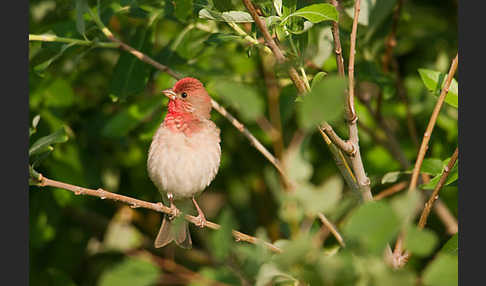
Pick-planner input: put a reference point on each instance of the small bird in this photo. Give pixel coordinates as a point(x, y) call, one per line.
point(184, 155)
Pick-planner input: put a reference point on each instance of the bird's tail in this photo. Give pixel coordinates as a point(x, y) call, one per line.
point(177, 230)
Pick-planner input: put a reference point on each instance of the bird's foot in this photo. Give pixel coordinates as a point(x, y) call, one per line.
point(201, 221)
point(174, 212)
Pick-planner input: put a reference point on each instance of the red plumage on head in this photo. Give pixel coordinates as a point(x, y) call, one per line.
point(187, 84)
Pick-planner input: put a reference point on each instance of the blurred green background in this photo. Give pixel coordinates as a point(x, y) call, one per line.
point(108, 104)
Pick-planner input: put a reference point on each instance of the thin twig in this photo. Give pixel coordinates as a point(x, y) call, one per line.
point(337, 43)
point(431, 125)
point(279, 56)
point(54, 38)
point(390, 41)
point(391, 190)
point(331, 228)
point(273, 94)
point(446, 217)
point(135, 203)
point(435, 194)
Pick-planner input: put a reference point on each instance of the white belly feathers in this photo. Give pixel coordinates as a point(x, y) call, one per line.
point(184, 165)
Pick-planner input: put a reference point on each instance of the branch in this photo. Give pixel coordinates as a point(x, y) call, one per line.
point(435, 194)
point(337, 43)
point(144, 58)
point(300, 85)
point(391, 190)
point(402, 258)
point(430, 127)
point(273, 94)
point(346, 146)
point(332, 229)
point(135, 203)
point(341, 163)
point(390, 41)
point(356, 161)
point(279, 56)
point(54, 38)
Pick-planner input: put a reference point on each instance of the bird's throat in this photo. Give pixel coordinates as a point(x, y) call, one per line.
point(180, 121)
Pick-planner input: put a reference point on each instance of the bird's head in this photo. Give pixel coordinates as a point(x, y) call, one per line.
point(189, 97)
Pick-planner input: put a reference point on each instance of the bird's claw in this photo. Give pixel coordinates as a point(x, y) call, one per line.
point(174, 212)
point(201, 221)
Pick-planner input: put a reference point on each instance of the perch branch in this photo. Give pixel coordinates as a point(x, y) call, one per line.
point(135, 203)
point(430, 127)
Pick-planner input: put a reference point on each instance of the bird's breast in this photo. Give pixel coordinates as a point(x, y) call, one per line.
point(182, 164)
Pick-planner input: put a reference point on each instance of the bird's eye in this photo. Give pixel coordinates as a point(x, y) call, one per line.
point(184, 95)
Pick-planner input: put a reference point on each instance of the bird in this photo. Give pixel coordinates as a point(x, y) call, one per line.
point(184, 155)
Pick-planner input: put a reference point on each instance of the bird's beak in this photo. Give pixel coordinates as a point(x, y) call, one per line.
point(169, 93)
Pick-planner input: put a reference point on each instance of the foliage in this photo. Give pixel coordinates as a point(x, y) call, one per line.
point(94, 109)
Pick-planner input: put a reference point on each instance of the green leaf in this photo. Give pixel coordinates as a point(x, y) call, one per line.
point(183, 9)
point(40, 68)
point(59, 94)
point(317, 78)
point(451, 246)
point(43, 143)
point(131, 271)
point(35, 121)
point(420, 242)
point(406, 206)
point(322, 198)
point(128, 118)
point(131, 74)
point(229, 16)
point(432, 166)
point(269, 274)
point(241, 97)
point(220, 38)
point(325, 102)
point(122, 236)
point(315, 13)
point(391, 177)
point(434, 81)
point(374, 224)
point(442, 271)
point(81, 8)
point(453, 176)
point(298, 169)
point(278, 7)
point(222, 240)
